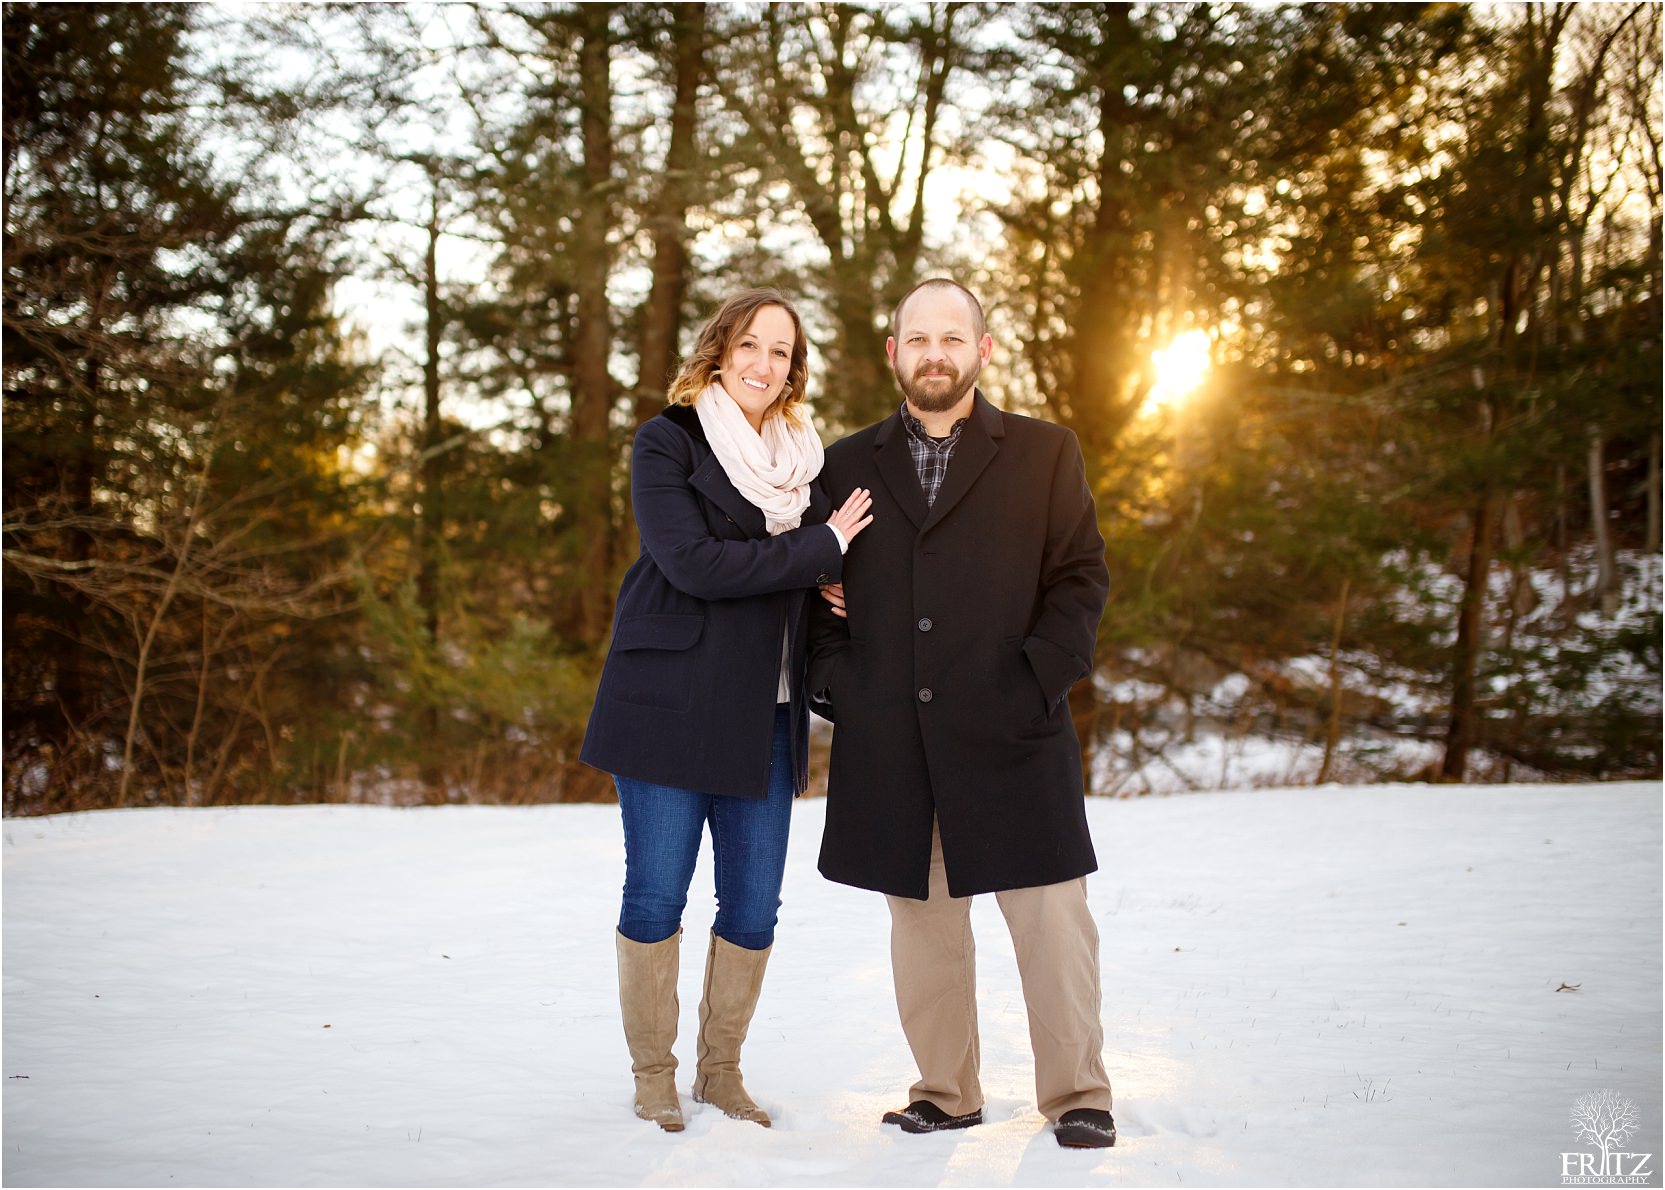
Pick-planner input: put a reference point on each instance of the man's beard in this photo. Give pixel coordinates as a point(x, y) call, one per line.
point(935, 400)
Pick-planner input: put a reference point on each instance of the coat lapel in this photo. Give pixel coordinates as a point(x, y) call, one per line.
point(712, 482)
point(976, 449)
point(897, 470)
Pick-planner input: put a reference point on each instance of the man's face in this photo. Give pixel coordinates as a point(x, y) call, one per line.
point(937, 351)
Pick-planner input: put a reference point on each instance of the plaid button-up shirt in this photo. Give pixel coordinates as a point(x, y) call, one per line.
point(930, 455)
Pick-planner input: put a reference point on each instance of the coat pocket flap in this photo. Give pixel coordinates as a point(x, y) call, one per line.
point(658, 632)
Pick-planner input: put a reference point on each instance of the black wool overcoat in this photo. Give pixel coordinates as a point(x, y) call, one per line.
point(969, 621)
point(687, 695)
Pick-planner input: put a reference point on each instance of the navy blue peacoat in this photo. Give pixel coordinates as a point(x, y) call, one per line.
point(687, 695)
point(969, 621)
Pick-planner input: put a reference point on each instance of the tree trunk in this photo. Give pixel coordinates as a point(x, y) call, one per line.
point(592, 382)
point(662, 311)
point(864, 375)
point(1102, 400)
point(148, 632)
point(1653, 495)
point(1607, 571)
point(1522, 599)
point(191, 791)
point(430, 522)
point(1563, 563)
point(1463, 731)
point(936, 61)
point(77, 696)
point(1333, 733)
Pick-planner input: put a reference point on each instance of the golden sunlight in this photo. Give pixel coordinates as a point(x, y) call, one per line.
point(1180, 367)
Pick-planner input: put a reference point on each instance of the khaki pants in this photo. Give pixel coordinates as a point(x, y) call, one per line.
point(933, 960)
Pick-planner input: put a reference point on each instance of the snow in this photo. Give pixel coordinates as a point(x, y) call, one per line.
point(1319, 987)
point(1137, 766)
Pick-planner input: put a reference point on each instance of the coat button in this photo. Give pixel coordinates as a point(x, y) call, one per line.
point(925, 694)
point(822, 578)
point(924, 623)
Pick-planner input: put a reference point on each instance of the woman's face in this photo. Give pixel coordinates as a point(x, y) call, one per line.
point(754, 370)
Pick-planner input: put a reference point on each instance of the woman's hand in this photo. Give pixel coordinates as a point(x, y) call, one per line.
point(850, 519)
point(853, 517)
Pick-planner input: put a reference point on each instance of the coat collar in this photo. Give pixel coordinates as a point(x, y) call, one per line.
point(685, 419)
point(708, 476)
point(712, 482)
point(979, 443)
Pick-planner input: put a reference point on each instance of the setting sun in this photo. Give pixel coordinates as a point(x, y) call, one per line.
point(1180, 367)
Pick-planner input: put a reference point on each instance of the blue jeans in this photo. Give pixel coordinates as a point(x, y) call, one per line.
point(663, 828)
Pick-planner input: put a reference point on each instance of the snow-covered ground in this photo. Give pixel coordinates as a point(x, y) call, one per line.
point(1214, 760)
point(1341, 986)
point(1567, 658)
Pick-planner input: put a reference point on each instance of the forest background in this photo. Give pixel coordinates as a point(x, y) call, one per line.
point(326, 330)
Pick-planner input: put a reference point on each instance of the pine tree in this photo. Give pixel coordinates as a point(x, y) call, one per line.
point(173, 404)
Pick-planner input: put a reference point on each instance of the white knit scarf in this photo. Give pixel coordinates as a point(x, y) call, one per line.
point(772, 469)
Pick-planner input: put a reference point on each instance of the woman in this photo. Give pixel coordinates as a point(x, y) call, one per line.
point(701, 715)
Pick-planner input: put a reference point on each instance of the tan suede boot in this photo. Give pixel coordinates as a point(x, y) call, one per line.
point(733, 978)
point(647, 1000)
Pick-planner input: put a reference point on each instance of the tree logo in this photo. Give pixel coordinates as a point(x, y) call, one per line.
point(1605, 1120)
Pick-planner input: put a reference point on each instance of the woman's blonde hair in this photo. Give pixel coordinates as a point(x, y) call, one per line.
point(720, 330)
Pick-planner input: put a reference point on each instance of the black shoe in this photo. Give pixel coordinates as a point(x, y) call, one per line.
point(924, 1116)
point(1085, 1128)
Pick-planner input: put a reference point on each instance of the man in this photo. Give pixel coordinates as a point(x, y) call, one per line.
point(967, 611)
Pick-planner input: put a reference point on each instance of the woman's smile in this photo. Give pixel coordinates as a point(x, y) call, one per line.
point(759, 358)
